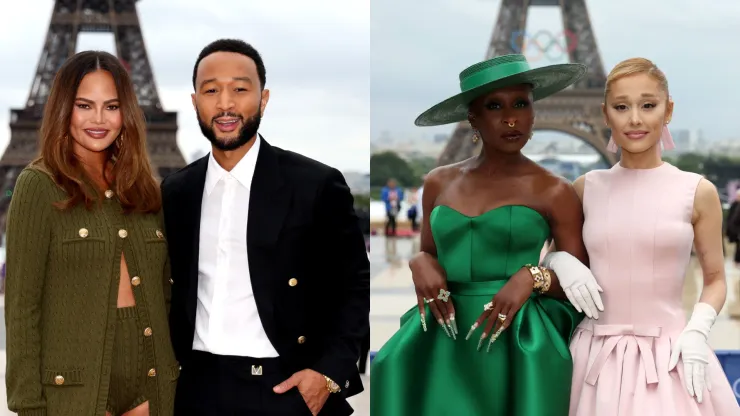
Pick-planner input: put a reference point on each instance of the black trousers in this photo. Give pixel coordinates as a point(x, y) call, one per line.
point(217, 385)
point(414, 224)
point(390, 225)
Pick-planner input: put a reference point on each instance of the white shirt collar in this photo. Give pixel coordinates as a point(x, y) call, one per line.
point(242, 172)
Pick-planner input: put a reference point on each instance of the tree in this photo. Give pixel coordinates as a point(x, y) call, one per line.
point(362, 201)
point(690, 162)
point(718, 169)
point(423, 165)
point(386, 165)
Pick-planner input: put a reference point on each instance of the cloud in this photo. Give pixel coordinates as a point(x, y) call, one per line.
point(420, 46)
point(317, 56)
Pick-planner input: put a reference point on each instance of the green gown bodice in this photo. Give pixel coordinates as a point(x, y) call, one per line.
point(528, 369)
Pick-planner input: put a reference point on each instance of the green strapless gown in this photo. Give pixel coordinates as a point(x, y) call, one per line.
point(528, 370)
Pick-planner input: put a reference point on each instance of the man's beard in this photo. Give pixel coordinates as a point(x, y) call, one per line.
point(247, 131)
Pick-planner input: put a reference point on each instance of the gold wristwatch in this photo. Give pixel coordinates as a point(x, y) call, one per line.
point(332, 386)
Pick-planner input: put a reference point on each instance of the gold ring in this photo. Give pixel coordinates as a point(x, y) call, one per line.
point(488, 306)
point(502, 317)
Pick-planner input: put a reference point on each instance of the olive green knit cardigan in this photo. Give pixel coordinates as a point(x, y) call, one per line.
point(63, 274)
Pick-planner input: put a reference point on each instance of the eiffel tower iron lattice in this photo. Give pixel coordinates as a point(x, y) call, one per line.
point(576, 110)
point(70, 18)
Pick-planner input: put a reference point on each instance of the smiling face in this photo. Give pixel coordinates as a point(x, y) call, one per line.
point(96, 119)
point(637, 106)
point(92, 116)
point(504, 118)
point(229, 100)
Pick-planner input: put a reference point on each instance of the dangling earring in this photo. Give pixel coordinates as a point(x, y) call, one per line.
point(119, 142)
point(612, 146)
point(476, 136)
point(666, 139)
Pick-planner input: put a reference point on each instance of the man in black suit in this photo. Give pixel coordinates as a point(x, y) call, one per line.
point(270, 289)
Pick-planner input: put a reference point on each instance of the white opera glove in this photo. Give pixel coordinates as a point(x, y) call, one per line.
point(577, 282)
point(694, 350)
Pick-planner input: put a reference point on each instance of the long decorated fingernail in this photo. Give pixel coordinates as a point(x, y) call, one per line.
point(494, 337)
point(423, 322)
point(480, 341)
point(472, 328)
point(452, 330)
point(442, 324)
point(454, 323)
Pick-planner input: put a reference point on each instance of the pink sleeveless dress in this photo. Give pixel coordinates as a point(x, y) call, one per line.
point(639, 237)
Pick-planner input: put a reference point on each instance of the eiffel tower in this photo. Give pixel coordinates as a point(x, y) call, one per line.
point(575, 111)
point(69, 18)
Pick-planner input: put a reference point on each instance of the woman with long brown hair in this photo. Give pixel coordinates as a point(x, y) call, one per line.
point(87, 288)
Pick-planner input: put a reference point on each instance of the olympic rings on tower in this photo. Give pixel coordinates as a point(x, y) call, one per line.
point(563, 43)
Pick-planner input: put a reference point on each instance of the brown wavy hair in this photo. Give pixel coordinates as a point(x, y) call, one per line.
point(133, 181)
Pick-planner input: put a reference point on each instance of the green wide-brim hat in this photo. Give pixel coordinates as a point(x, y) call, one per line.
point(500, 72)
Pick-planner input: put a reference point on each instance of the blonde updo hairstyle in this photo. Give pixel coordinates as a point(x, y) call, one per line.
point(634, 66)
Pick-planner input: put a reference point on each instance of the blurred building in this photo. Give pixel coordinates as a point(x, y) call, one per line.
point(358, 182)
point(687, 141)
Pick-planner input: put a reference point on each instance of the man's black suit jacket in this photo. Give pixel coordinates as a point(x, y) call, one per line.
point(302, 225)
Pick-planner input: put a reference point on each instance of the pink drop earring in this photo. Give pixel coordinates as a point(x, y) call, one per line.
point(612, 146)
point(666, 139)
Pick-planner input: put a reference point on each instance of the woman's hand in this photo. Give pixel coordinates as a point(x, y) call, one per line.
point(503, 307)
point(430, 282)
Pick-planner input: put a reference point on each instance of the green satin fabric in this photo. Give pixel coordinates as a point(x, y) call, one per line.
point(528, 370)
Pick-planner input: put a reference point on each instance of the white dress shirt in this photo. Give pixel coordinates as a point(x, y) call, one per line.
point(226, 318)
